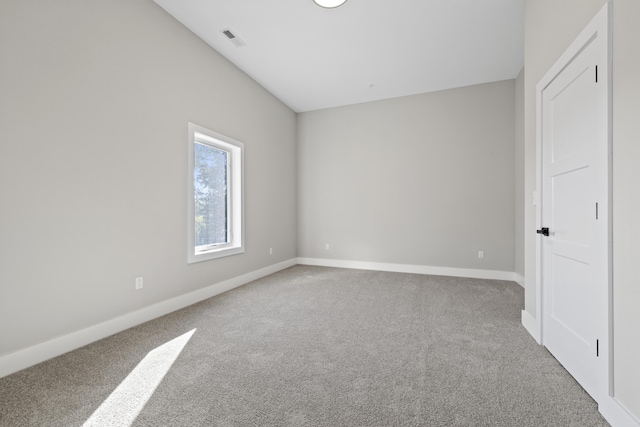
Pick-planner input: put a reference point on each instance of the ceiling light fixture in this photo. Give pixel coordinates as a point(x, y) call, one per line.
point(329, 4)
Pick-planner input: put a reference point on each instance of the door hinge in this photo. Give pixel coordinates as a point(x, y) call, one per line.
point(596, 74)
point(597, 348)
point(596, 211)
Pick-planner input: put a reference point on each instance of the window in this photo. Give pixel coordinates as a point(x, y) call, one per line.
point(215, 195)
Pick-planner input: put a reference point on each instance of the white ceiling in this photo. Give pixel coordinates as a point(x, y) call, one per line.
point(313, 58)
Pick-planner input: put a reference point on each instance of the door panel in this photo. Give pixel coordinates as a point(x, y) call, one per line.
point(572, 207)
point(573, 129)
point(569, 274)
point(571, 112)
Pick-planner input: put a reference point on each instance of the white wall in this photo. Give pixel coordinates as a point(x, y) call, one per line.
point(95, 97)
point(626, 202)
point(424, 180)
point(550, 27)
point(519, 178)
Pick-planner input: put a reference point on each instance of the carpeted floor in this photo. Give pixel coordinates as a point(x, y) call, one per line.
point(315, 346)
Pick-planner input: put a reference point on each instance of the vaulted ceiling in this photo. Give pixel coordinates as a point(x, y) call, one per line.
point(313, 58)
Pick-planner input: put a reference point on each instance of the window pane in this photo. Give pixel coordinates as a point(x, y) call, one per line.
point(210, 193)
point(215, 220)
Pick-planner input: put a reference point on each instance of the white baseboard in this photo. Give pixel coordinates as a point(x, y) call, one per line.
point(30, 356)
point(613, 411)
point(408, 268)
point(616, 414)
point(519, 279)
point(531, 325)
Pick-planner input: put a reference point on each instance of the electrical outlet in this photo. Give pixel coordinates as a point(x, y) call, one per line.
point(327, 247)
point(481, 254)
point(270, 251)
point(139, 282)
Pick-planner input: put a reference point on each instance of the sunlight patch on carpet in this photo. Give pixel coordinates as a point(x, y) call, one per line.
point(125, 403)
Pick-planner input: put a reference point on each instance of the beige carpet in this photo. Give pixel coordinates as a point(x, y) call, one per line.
point(314, 346)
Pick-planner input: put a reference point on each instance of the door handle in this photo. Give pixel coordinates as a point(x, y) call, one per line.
point(544, 231)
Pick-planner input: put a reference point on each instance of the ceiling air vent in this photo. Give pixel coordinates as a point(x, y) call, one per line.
point(233, 38)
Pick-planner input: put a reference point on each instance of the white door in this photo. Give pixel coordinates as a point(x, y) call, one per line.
point(574, 209)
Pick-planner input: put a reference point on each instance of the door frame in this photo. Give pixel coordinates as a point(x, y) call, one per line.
point(599, 27)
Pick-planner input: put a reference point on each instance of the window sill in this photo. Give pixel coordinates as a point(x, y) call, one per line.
point(214, 254)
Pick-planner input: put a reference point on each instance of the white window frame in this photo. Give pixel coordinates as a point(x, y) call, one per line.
point(235, 196)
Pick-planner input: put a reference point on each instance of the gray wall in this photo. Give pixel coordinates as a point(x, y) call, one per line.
point(423, 180)
point(550, 27)
point(95, 97)
point(94, 102)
